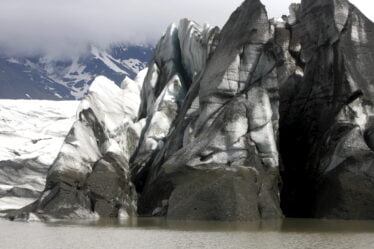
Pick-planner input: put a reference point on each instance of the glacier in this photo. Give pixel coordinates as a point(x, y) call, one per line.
point(31, 134)
point(257, 120)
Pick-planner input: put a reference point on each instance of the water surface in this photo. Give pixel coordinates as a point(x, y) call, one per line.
point(161, 234)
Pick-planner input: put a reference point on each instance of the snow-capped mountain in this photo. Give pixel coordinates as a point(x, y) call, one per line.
point(40, 77)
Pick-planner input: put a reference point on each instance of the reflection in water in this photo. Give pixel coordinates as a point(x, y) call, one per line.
point(157, 233)
point(281, 225)
point(176, 225)
point(327, 226)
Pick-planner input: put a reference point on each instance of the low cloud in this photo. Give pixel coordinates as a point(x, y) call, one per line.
point(65, 27)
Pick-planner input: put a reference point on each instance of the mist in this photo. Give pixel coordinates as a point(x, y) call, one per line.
point(63, 28)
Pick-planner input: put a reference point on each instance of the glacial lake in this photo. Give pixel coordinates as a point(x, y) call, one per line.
point(161, 234)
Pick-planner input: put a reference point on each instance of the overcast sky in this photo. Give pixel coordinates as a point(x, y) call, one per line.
point(66, 26)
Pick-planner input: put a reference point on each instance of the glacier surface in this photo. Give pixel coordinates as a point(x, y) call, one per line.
point(31, 135)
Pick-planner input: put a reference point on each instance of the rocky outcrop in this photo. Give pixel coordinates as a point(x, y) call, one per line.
point(227, 124)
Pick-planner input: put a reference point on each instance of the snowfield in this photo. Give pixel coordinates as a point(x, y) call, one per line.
point(31, 135)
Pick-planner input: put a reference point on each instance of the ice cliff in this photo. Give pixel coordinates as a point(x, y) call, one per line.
point(257, 120)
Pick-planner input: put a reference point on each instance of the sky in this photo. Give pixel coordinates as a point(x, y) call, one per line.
point(65, 27)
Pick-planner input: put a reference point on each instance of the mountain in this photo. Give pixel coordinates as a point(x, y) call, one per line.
point(41, 77)
point(261, 119)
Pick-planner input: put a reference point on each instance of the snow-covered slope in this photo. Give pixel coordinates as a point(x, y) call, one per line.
point(31, 135)
point(41, 77)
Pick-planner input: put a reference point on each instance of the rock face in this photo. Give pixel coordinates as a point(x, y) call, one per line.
point(325, 127)
point(220, 117)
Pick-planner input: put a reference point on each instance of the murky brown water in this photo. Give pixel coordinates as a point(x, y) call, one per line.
point(161, 234)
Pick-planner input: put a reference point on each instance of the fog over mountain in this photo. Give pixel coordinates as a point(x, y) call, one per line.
point(46, 48)
point(63, 28)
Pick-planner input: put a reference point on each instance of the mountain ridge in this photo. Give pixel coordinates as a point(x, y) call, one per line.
point(42, 77)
